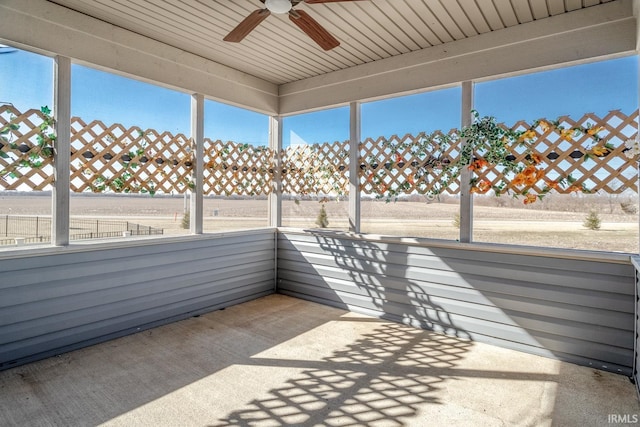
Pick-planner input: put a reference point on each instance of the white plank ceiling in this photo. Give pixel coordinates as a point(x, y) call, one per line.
point(277, 51)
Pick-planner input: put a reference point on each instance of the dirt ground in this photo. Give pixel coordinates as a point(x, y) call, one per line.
point(509, 225)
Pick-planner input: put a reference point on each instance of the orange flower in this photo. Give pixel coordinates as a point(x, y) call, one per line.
point(484, 186)
point(531, 180)
point(574, 189)
point(530, 134)
point(531, 198)
point(478, 164)
point(370, 177)
point(545, 126)
point(529, 176)
point(595, 130)
point(554, 185)
point(399, 158)
point(566, 134)
point(535, 159)
point(600, 151)
point(518, 179)
point(410, 180)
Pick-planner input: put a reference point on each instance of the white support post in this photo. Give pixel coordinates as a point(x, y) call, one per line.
point(466, 198)
point(354, 167)
point(62, 114)
point(275, 197)
point(197, 137)
point(636, 14)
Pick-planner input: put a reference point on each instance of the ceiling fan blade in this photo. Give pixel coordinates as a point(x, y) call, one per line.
point(247, 25)
point(313, 29)
point(327, 1)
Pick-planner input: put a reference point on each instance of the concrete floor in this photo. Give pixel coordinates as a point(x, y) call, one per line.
point(283, 361)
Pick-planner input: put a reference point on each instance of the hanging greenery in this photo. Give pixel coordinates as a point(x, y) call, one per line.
point(25, 155)
point(485, 144)
point(501, 161)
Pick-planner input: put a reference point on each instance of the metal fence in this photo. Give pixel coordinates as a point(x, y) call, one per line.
point(37, 229)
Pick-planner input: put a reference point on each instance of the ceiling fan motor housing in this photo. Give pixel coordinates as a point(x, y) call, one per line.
point(278, 6)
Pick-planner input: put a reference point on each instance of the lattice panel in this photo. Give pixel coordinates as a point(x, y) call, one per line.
point(316, 169)
point(114, 158)
point(119, 159)
point(394, 165)
point(563, 153)
point(14, 175)
point(237, 169)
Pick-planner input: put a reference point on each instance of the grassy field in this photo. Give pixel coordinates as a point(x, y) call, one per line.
point(547, 226)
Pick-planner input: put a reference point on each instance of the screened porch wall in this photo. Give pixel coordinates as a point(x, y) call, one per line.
point(63, 299)
point(579, 310)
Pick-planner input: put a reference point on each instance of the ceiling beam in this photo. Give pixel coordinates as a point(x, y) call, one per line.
point(46, 27)
point(605, 30)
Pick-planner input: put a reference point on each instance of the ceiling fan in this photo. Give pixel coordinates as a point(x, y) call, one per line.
point(302, 19)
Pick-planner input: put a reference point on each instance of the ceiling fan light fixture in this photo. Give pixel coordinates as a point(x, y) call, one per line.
point(278, 6)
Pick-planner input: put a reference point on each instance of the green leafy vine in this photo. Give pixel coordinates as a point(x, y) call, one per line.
point(32, 156)
point(481, 145)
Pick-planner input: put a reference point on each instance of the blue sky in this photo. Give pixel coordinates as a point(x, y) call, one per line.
point(25, 81)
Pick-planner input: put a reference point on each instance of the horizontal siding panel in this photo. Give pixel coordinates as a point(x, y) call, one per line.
point(60, 301)
point(451, 284)
point(587, 275)
point(573, 309)
point(118, 260)
point(107, 276)
point(89, 327)
point(568, 279)
point(202, 290)
point(155, 282)
point(549, 262)
point(447, 297)
point(441, 311)
point(50, 345)
point(83, 253)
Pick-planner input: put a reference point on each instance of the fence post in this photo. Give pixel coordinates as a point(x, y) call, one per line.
point(6, 225)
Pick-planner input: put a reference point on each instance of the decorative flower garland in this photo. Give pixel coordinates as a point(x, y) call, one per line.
point(487, 144)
